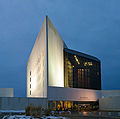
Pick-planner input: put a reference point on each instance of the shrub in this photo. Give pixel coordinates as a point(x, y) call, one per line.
point(47, 112)
point(31, 110)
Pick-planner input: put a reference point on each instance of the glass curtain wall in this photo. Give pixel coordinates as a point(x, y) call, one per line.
point(81, 71)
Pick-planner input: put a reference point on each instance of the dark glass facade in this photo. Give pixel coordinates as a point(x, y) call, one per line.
point(81, 70)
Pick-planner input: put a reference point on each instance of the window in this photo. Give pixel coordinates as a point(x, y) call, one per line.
point(30, 79)
point(30, 73)
point(88, 64)
point(81, 72)
point(30, 85)
point(30, 92)
point(76, 59)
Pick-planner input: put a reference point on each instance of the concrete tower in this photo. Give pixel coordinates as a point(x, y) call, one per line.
point(45, 66)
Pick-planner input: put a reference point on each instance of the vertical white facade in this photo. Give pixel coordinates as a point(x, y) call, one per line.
point(45, 66)
point(55, 57)
point(37, 66)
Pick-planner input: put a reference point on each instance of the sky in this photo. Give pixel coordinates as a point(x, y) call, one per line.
point(88, 26)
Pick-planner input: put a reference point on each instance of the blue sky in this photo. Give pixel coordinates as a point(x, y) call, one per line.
point(88, 26)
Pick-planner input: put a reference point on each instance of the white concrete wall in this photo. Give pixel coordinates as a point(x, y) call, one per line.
point(46, 61)
point(37, 64)
point(20, 103)
point(110, 103)
point(73, 94)
point(110, 100)
point(110, 93)
point(6, 92)
point(55, 57)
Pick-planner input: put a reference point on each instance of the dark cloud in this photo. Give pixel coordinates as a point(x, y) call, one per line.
point(88, 26)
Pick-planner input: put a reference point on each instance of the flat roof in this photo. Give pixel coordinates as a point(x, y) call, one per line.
point(81, 54)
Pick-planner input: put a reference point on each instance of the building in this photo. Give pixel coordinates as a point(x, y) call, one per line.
point(61, 78)
point(6, 92)
point(64, 76)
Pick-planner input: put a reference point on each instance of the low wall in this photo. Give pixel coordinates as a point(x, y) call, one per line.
point(110, 93)
point(110, 103)
point(6, 92)
point(19, 103)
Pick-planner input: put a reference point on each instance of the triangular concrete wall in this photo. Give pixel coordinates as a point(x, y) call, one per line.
point(46, 61)
point(37, 65)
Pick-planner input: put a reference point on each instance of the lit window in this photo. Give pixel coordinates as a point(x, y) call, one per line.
point(85, 64)
point(76, 59)
point(88, 64)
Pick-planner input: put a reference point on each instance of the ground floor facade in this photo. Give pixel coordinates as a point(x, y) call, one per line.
point(20, 103)
point(73, 105)
point(63, 99)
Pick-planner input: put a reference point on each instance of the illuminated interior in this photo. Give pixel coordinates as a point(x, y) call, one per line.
point(81, 70)
point(73, 105)
point(88, 64)
point(76, 59)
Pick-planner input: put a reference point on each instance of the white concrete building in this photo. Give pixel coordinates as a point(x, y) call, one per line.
point(46, 74)
point(60, 78)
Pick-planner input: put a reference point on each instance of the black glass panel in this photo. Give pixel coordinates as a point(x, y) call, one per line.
point(81, 71)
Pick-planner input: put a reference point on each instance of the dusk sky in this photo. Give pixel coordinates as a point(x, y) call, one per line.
point(88, 26)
